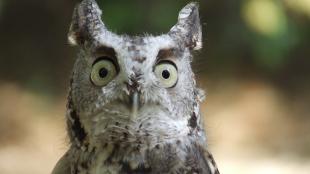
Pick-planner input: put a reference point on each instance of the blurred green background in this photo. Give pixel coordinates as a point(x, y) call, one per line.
point(255, 67)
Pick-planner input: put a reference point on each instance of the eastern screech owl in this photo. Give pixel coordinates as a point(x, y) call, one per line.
point(133, 105)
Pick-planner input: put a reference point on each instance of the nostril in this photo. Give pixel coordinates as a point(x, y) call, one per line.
point(133, 87)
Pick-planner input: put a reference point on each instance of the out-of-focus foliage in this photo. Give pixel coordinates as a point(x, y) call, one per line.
point(268, 38)
point(299, 6)
point(268, 19)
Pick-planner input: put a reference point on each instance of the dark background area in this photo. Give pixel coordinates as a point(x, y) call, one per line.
point(255, 66)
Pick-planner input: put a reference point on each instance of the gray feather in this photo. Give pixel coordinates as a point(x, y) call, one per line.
point(144, 115)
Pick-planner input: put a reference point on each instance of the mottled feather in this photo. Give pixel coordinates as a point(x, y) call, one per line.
point(133, 105)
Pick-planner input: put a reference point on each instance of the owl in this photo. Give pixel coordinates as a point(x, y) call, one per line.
point(133, 105)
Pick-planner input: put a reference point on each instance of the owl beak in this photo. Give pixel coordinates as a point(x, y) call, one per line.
point(135, 104)
point(133, 90)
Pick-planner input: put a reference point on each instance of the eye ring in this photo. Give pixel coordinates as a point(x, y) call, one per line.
point(111, 59)
point(104, 70)
point(167, 73)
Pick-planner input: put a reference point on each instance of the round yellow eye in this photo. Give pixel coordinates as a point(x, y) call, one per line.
point(167, 74)
point(103, 72)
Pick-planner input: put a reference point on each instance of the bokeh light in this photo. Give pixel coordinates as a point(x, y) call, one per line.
point(264, 16)
point(300, 6)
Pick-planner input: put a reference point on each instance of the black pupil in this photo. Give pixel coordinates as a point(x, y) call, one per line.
point(103, 73)
point(166, 74)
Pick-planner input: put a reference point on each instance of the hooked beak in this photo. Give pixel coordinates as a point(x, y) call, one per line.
point(133, 89)
point(135, 104)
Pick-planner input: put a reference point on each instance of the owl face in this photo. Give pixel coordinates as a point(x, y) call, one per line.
point(124, 84)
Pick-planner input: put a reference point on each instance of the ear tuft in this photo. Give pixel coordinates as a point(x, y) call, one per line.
point(86, 23)
point(188, 28)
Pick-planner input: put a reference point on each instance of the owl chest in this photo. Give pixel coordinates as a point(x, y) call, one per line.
point(165, 159)
point(128, 160)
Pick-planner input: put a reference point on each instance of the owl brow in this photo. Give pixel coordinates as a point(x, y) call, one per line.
point(165, 54)
point(106, 51)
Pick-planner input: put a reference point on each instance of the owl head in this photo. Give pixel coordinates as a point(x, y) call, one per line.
point(133, 84)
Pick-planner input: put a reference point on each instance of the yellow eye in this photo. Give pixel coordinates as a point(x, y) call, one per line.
point(103, 72)
point(167, 74)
